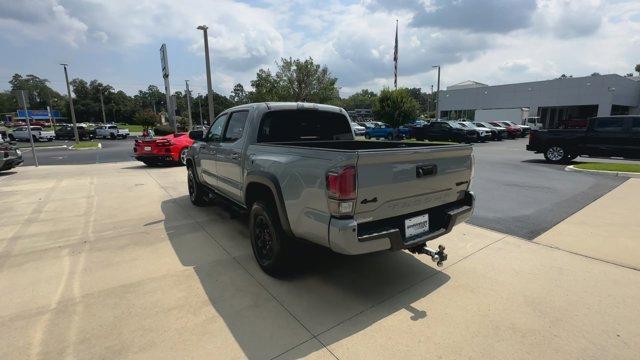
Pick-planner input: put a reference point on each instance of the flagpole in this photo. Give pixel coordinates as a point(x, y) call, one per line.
point(395, 60)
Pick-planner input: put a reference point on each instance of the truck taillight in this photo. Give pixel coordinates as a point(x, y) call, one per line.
point(341, 183)
point(341, 189)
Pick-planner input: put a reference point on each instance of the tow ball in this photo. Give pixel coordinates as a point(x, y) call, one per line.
point(438, 257)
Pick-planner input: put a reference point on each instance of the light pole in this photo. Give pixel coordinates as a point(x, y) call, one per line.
point(206, 57)
point(73, 113)
point(438, 93)
point(104, 117)
point(189, 105)
point(200, 106)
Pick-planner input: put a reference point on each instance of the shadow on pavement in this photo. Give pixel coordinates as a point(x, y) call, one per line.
point(326, 290)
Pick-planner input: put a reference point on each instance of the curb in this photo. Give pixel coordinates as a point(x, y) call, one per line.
point(43, 147)
point(98, 147)
point(603, 172)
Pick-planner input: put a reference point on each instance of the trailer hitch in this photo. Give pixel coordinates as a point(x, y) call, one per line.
point(438, 257)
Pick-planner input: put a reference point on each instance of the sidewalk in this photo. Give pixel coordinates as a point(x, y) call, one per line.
point(608, 229)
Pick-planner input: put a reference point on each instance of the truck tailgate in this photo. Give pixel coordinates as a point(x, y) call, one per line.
point(397, 182)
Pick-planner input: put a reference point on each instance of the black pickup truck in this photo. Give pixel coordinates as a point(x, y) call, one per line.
point(607, 136)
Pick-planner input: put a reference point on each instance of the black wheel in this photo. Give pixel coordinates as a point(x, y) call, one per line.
point(271, 246)
point(390, 137)
point(35, 139)
point(197, 191)
point(557, 154)
point(113, 136)
point(11, 137)
point(183, 156)
point(367, 136)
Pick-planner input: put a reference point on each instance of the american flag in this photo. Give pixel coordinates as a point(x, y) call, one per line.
point(395, 60)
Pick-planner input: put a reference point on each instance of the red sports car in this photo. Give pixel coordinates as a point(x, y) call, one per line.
point(170, 149)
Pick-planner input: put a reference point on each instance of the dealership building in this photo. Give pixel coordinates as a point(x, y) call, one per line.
point(554, 101)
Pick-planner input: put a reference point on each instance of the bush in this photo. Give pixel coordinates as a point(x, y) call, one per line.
point(395, 107)
point(162, 130)
point(147, 119)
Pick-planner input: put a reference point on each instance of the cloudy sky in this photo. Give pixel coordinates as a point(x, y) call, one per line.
point(494, 42)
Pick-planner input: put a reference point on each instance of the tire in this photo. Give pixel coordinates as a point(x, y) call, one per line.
point(367, 136)
point(197, 192)
point(12, 138)
point(557, 154)
point(272, 248)
point(113, 136)
point(35, 139)
point(390, 137)
point(183, 156)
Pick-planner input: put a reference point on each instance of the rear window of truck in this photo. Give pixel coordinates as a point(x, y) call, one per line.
point(303, 125)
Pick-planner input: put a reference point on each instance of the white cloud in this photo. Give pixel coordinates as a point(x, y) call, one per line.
point(40, 19)
point(495, 42)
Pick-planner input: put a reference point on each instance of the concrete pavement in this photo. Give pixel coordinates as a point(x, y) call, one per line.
point(111, 260)
point(608, 229)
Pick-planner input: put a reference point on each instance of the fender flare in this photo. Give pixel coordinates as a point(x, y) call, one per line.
point(269, 180)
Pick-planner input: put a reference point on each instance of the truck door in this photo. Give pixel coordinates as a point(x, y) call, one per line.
point(230, 156)
point(605, 136)
point(209, 150)
point(633, 142)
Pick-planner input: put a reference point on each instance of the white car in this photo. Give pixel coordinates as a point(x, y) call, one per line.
point(358, 130)
point(111, 132)
point(22, 133)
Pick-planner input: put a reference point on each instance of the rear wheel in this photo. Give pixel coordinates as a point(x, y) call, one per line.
point(272, 248)
point(367, 136)
point(11, 137)
point(35, 139)
point(113, 136)
point(197, 192)
point(557, 154)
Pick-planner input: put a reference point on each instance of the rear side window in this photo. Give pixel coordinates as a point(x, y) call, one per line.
point(609, 124)
point(303, 125)
point(236, 126)
point(635, 124)
point(113, 127)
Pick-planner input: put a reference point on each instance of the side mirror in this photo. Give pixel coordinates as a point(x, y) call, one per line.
point(197, 135)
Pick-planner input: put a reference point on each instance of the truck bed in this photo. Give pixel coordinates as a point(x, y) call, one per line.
point(350, 145)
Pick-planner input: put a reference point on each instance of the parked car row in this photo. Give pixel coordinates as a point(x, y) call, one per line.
point(66, 132)
point(37, 133)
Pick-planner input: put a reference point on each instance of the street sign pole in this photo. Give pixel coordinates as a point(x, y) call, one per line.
point(25, 104)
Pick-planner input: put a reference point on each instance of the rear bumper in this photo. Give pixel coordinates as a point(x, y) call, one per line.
point(344, 237)
point(533, 148)
point(10, 163)
point(159, 158)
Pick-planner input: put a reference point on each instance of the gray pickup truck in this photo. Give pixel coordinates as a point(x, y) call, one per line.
point(298, 170)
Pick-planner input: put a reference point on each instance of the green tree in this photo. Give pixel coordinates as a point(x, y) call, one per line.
point(147, 119)
point(238, 95)
point(395, 107)
point(295, 80)
point(40, 94)
point(638, 69)
point(363, 99)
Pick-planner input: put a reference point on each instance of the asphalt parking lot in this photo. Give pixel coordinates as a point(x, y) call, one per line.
point(56, 153)
point(112, 261)
point(518, 193)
